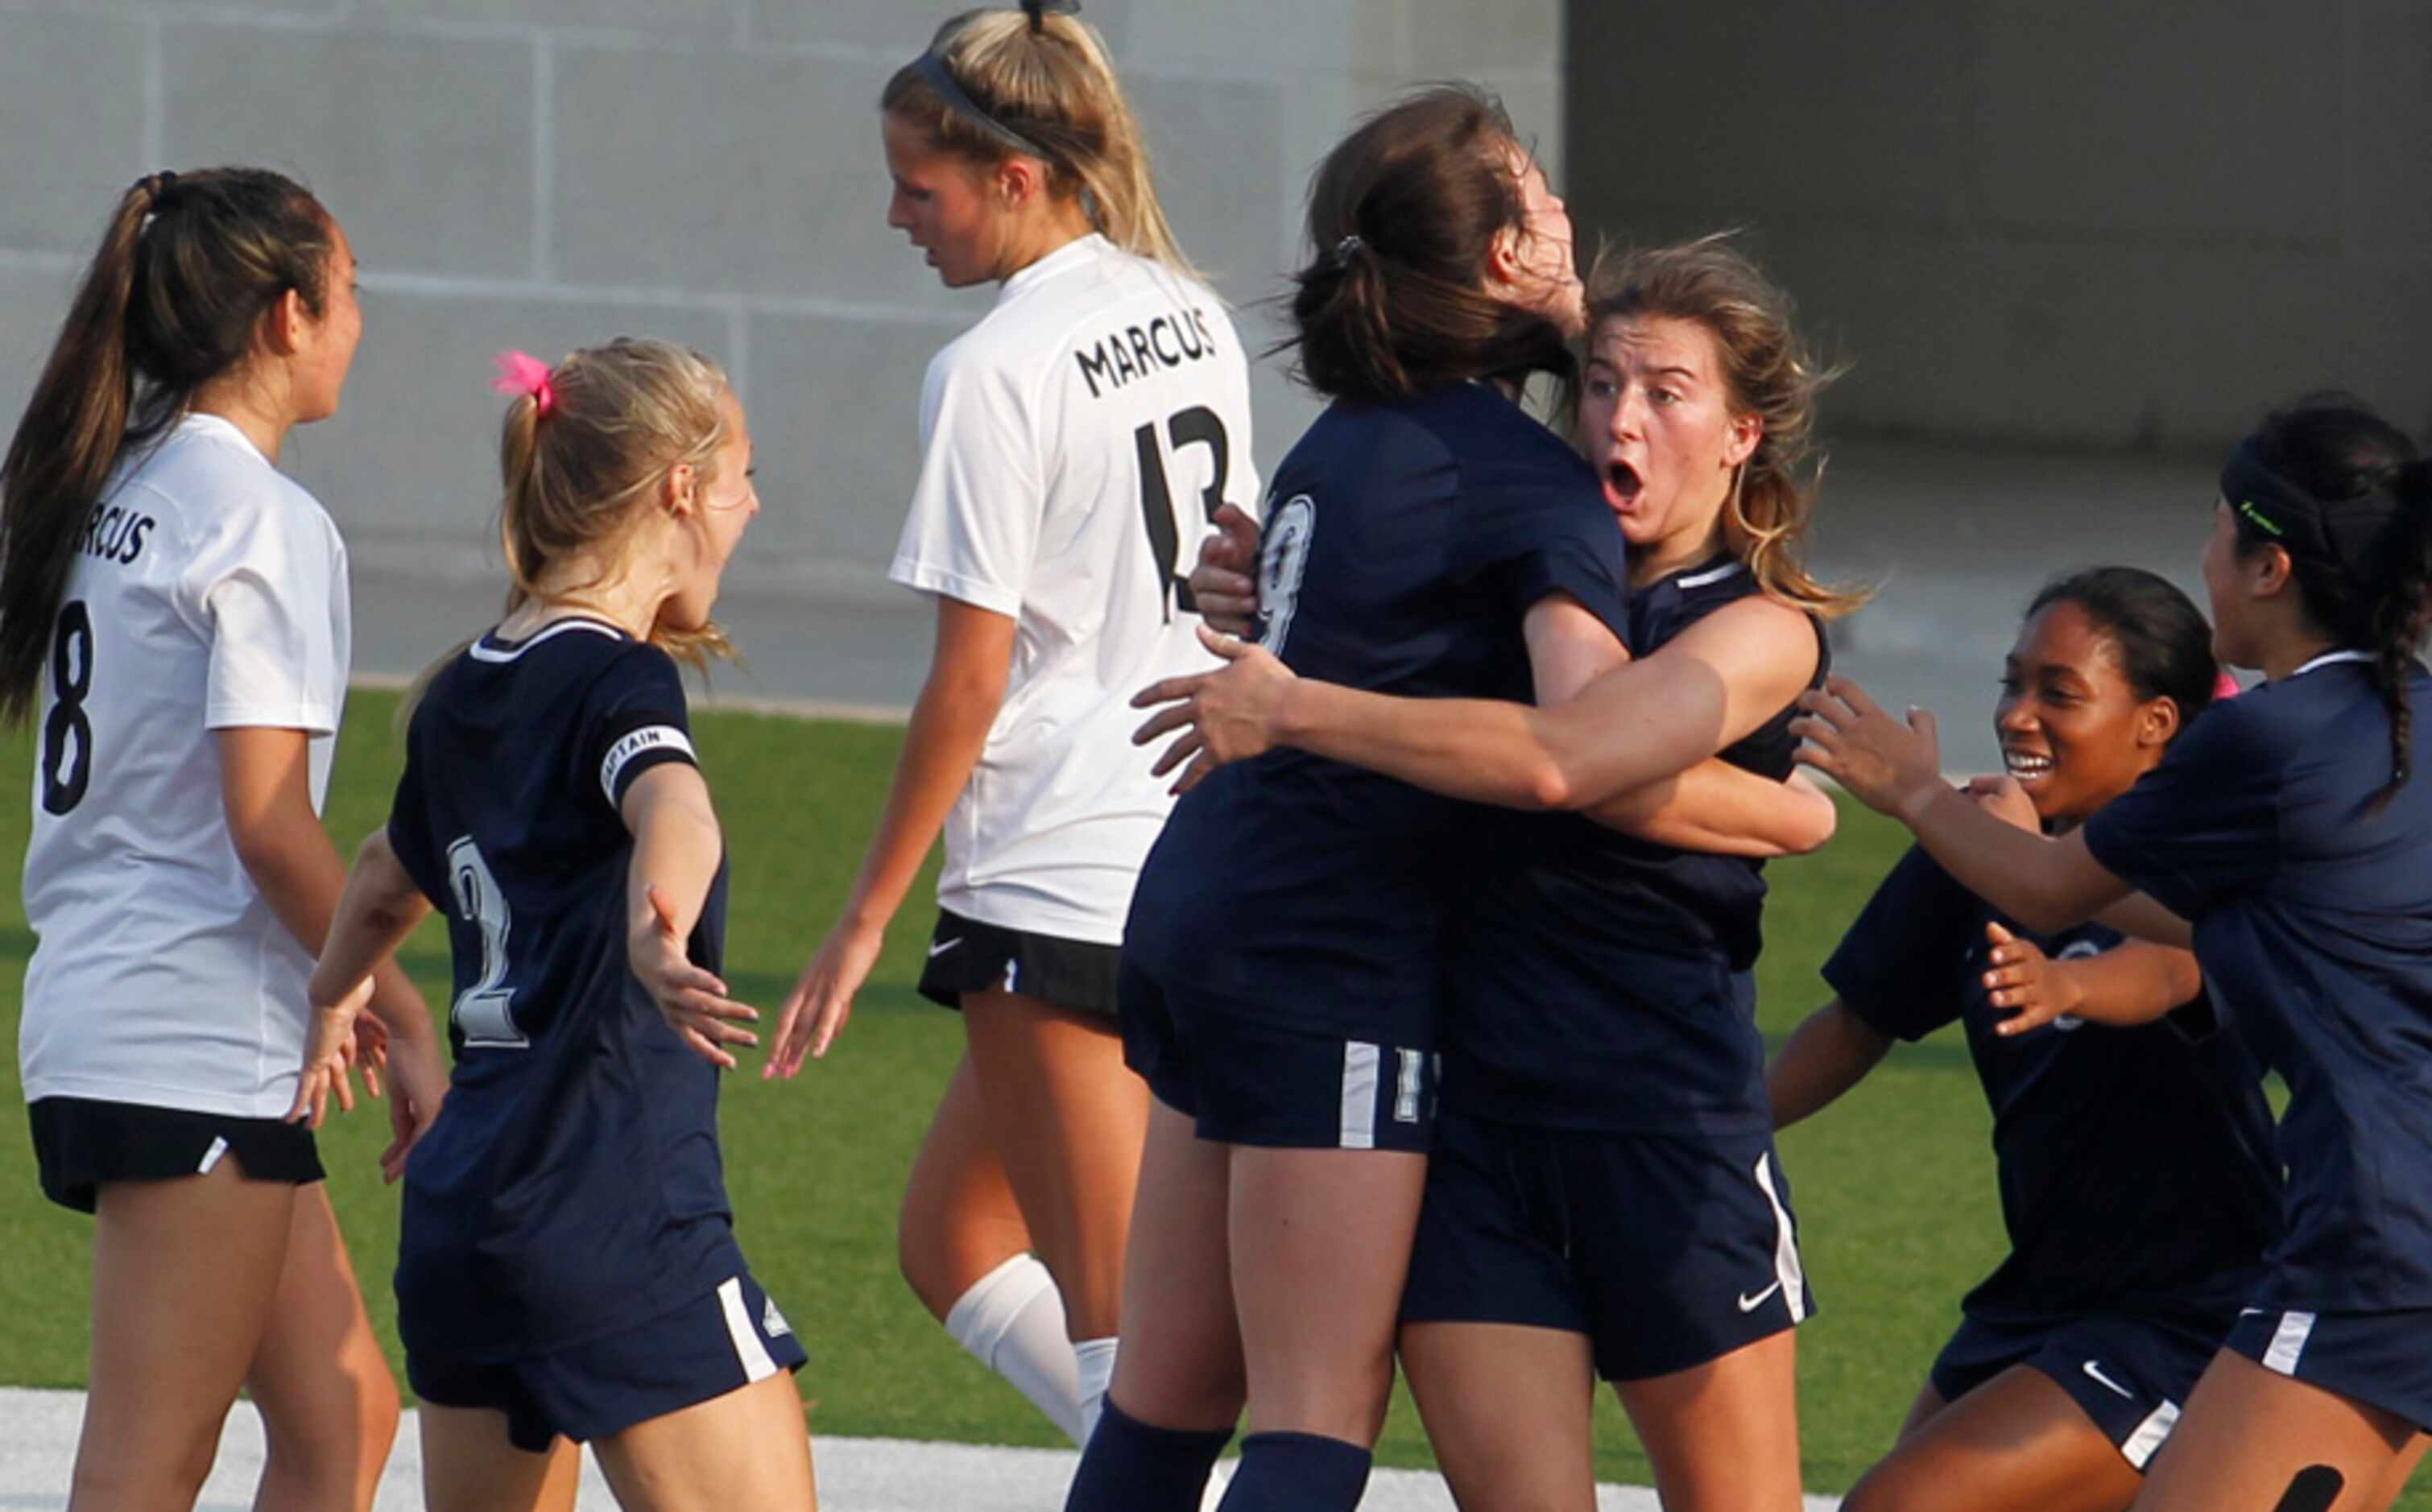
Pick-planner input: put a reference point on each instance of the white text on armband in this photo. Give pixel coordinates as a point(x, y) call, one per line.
point(647, 738)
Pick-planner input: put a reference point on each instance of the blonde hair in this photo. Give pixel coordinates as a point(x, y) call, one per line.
point(621, 416)
point(1048, 82)
point(1768, 373)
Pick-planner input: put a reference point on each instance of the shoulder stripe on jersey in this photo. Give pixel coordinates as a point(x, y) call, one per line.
point(482, 651)
point(647, 738)
point(1711, 575)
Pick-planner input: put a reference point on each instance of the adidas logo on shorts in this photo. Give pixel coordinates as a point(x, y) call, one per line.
point(772, 1322)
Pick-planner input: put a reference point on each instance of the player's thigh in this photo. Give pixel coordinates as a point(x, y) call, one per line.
point(1180, 1364)
point(470, 1465)
point(327, 1400)
point(744, 1451)
point(1507, 1409)
point(1321, 1244)
point(1068, 1120)
point(2017, 1443)
point(2254, 1440)
point(184, 1272)
point(959, 1220)
point(1923, 1410)
point(1723, 1435)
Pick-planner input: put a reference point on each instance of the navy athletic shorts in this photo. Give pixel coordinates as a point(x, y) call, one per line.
point(2381, 1359)
point(966, 955)
point(710, 1346)
point(1246, 1081)
point(2131, 1375)
point(80, 1143)
point(1666, 1252)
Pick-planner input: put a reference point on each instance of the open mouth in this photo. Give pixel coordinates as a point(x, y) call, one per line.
point(2026, 765)
point(1622, 484)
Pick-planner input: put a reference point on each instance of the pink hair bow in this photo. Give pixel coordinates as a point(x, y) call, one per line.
point(522, 373)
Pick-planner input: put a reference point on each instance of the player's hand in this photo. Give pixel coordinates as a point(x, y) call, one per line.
point(371, 1051)
point(2023, 979)
point(1225, 716)
point(693, 1001)
point(419, 1084)
point(330, 1049)
point(821, 1000)
point(1891, 768)
point(2002, 798)
point(1225, 584)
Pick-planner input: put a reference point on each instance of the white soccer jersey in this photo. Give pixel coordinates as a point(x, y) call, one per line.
point(210, 594)
point(1074, 444)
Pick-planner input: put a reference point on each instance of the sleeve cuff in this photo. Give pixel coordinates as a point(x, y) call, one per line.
point(925, 578)
point(313, 720)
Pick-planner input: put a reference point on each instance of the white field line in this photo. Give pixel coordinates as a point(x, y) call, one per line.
point(37, 1434)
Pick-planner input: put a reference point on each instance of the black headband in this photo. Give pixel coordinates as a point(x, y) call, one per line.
point(2338, 534)
point(932, 67)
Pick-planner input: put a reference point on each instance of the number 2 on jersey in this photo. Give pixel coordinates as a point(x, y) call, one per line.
point(67, 732)
point(1197, 426)
point(485, 1010)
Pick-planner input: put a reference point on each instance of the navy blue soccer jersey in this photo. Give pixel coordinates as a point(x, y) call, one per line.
point(1600, 981)
point(2313, 923)
point(2135, 1165)
point(571, 1185)
point(1404, 544)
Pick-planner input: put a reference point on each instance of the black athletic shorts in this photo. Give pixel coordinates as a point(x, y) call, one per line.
point(1666, 1251)
point(2130, 1375)
point(80, 1143)
point(966, 955)
point(1244, 1081)
point(696, 1353)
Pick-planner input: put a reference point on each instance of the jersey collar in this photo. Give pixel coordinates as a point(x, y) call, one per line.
point(2329, 657)
point(1071, 255)
point(490, 648)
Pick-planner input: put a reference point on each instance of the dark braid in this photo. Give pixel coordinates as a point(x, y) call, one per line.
point(2338, 449)
point(2402, 614)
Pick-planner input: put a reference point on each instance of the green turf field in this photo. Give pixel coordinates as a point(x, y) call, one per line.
point(1894, 1187)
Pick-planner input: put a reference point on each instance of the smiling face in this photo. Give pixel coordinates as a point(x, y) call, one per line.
point(711, 521)
point(2073, 731)
point(943, 203)
point(1656, 420)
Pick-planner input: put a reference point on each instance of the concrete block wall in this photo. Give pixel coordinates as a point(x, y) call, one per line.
point(548, 173)
point(2073, 222)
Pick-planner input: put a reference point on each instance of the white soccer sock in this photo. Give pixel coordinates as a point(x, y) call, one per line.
point(1012, 1320)
point(1095, 1359)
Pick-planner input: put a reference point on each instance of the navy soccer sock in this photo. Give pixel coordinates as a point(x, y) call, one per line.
point(1130, 1465)
point(1297, 1473)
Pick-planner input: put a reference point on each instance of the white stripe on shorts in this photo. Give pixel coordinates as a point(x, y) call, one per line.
point(2288, 1342)
point(2151, 1434)
point(211, 1156)
point(749, 1351)
point(1361, 1062)
point(1785, 1244)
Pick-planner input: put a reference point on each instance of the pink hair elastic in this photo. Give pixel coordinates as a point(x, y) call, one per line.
point(2225, 686)
point(522, 373)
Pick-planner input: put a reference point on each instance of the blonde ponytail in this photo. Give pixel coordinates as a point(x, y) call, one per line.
point(1045, 87)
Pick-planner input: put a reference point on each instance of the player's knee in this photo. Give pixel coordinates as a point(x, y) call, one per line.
point(1900, 1484)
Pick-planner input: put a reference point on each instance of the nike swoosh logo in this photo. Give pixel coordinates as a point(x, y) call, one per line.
point(1749, 1304)
point(943, 946)
point(2096, 1370)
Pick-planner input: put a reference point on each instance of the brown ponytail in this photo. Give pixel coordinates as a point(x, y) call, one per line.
point(1402, 215)
point(187, 268)
point(1047, 83)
